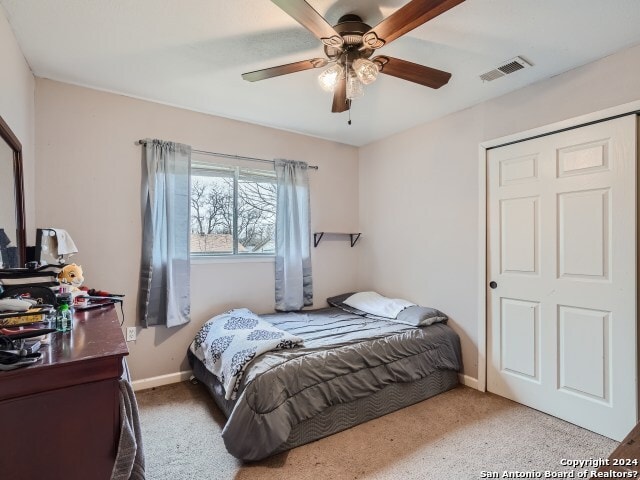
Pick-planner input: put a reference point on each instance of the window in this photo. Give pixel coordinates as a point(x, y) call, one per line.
point(233, 210)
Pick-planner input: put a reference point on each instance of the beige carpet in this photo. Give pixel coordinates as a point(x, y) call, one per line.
point(456, 435)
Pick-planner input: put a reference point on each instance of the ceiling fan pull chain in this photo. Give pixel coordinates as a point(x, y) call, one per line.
point(349, 122)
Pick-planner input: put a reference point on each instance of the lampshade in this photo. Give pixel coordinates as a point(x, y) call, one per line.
point(366, 70)
point(329, 78)
point(354, 86)
point(54, 246)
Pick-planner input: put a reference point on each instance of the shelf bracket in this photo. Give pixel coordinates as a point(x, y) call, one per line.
point(316, 238)
point(354, 238)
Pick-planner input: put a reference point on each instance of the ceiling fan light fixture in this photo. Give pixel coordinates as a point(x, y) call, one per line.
point(328, 79)
point(366, 70)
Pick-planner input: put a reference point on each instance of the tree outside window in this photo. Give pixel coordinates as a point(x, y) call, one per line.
point(233, 211)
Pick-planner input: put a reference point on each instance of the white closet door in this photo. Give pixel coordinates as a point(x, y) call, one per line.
point(561, 330)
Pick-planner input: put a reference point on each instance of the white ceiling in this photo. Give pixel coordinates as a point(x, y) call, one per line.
point(191, 53)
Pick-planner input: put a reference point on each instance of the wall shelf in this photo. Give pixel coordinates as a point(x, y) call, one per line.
point(354, 237)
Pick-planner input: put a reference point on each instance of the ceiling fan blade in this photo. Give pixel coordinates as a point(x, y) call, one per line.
point(405, 19)
point(427, 76)
point(340, 103)
point(306, 16)
point(284, 69)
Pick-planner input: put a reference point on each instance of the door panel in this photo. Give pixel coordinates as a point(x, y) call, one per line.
point(583, 159)
point(519, 322)
point(518, 226)
point(561, 329)
point(583, 227)
point(518, 170)
point(583, 339)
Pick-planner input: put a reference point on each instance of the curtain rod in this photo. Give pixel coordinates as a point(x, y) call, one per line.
point(235, 157)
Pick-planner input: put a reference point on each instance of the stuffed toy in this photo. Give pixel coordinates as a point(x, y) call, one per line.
point(71, 275)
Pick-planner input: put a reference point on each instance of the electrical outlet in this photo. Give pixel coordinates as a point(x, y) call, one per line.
point(131, 334)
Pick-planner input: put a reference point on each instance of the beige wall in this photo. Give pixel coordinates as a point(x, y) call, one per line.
point(89, 183)
point(17, 87)
point(419, 189)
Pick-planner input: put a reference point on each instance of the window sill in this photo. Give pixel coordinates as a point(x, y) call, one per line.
point(206, 259)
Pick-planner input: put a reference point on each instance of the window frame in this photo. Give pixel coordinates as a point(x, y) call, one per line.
point(236, 172)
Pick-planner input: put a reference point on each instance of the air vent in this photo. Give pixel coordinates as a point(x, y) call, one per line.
point(492, 75)
point(506, 68)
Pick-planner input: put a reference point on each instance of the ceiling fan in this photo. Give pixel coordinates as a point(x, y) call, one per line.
point(350, 43)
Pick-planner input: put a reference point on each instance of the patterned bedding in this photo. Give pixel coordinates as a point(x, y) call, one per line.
point(228, 342)
point(345, 357)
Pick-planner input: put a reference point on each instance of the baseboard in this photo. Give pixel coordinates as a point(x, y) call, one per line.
point(468, 381)
point(183, 376)
point(160, 380)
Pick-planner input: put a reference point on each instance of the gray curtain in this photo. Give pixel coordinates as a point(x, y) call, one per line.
point(294, 287)
point(165, 267)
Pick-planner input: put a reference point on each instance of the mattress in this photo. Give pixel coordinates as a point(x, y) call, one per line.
point(351, 369)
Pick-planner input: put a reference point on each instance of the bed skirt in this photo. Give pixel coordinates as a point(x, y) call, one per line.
point(391, 398)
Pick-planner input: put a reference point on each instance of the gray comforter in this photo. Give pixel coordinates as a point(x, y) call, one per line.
point(345, 357)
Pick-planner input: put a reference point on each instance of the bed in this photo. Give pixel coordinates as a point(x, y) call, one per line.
point(351, 368)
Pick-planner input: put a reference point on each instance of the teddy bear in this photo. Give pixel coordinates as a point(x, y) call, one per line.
point(71, 275)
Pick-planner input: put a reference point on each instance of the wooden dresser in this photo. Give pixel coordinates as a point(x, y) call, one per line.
point(60, 418)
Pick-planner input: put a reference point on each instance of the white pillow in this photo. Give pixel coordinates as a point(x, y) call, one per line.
point(376, 304)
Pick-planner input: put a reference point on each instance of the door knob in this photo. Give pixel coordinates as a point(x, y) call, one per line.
point(493, 284)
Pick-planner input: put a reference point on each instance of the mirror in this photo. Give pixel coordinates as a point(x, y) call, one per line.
point(12, 229)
